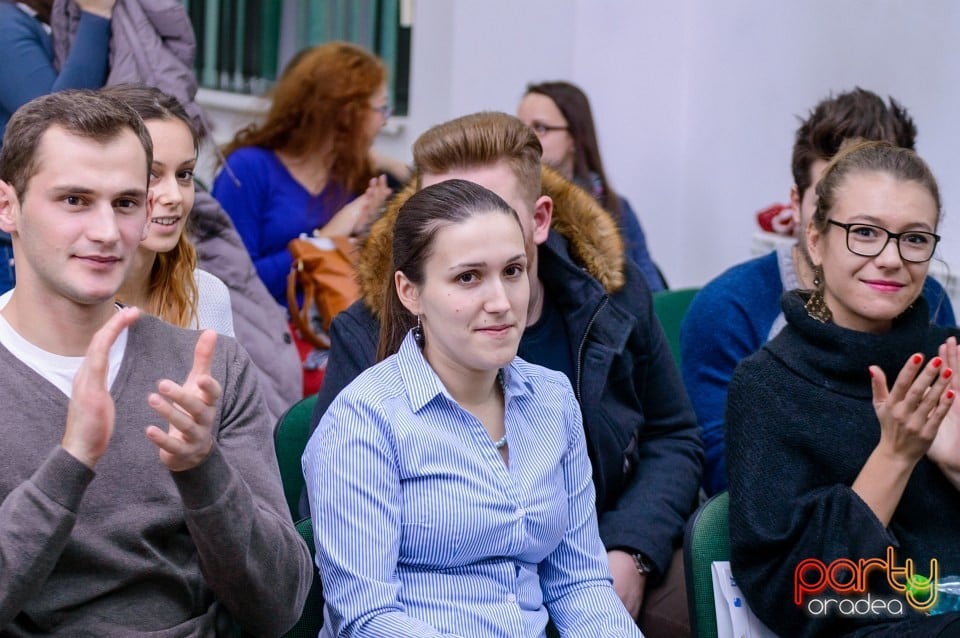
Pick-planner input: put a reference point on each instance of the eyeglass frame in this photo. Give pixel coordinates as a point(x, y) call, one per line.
point(385, 111)
point(890, 235)
point(540, 129)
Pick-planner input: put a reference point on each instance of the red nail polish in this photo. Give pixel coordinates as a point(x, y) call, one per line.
point(947, 373)
point(917, 359)
point(871, 372)
point(950, 394)
point(937, 362)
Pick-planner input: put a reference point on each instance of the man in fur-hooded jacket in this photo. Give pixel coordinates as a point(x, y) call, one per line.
point(591, 317)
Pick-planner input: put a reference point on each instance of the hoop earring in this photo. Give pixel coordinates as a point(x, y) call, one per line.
point(418, 332)
point(816, 305)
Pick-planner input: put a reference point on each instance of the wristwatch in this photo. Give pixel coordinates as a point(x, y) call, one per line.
point(644, 565)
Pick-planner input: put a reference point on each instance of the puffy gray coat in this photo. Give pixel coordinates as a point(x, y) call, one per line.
point(260, 324)
point(152, 43)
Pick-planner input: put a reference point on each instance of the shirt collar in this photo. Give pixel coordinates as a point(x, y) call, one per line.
point(423, 384)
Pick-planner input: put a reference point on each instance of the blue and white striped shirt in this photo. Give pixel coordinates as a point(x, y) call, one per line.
point(421, 528)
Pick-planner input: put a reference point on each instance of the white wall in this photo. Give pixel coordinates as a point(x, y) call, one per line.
point(696, 101)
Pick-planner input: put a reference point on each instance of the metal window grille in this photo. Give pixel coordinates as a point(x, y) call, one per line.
point(243, 44)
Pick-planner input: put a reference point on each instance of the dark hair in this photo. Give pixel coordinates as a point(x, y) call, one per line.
point(322, 97)
point(866, 156)
point(481, 139)
point(84, 113)
point(587, 164)
point(151, 103)
point(858, 113)
point(418, 220)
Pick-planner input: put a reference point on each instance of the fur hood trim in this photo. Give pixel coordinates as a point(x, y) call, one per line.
point(593, 236)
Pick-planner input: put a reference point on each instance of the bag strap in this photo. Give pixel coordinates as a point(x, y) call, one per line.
point(301, 316)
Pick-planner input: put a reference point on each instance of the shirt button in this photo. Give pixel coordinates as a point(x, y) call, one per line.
point(511, 598)
point(520, 512)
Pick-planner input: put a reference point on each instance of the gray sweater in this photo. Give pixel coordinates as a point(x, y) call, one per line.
point(132, 548)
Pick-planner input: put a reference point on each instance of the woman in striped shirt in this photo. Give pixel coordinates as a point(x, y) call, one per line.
point(450, 483)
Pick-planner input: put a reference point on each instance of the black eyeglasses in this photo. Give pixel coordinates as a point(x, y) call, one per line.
point(542, 129)
point(867, 240)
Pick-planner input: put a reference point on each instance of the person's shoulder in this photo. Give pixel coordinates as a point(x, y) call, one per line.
point(210, 284)
point(254, 158)
point(14, 20)
point(10, 12)
point(374, 387)
point(359, 313)
point(753, 373)
point(156, 340)
point(356, 321)
point(759, 270)
point(214, 307)
point(158, 343)
point(246, 170)
point(752, 285)
point(534, 375)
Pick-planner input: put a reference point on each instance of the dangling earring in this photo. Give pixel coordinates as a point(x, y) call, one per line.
point(418, 332)
point(816, 305)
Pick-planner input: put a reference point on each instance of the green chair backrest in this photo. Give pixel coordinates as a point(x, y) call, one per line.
point(290, 438)
point(311, 620)
point(707, 539)
point(670, 306)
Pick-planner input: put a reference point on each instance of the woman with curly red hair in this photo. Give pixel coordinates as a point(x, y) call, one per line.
point(298, 170)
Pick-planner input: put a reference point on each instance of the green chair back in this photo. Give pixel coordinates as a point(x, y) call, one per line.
point(311, 620)
point(670, 306)
point(707, 539)
point(290, 438)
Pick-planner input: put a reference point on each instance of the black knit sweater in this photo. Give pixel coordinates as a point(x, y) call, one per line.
point(800, 426)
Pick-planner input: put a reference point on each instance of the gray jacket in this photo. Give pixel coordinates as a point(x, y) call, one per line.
point(260, 324)
point(152, 43)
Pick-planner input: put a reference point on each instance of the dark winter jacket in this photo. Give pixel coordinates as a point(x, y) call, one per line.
point(641, 431)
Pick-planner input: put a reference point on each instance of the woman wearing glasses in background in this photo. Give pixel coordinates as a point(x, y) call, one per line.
point(296, 172)
point(559, 113)
point(844, 432)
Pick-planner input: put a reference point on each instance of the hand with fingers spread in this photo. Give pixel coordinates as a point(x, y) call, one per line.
point(911, 412)
point(945, 449)
point(910, 415)
point(189, 410)
point(91, 414)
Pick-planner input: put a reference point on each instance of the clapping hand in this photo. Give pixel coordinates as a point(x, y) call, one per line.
point(91, 414)
point(945, 449)
point(353, 217)
point(189, 410)
point(911, 412)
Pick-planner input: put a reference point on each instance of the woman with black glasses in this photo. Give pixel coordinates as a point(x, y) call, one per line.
point(843, 434)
